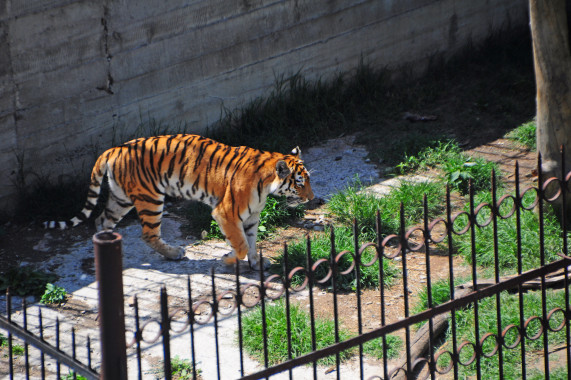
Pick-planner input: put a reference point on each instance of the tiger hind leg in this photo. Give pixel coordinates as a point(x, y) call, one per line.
point(115, 210)
point(150, 212)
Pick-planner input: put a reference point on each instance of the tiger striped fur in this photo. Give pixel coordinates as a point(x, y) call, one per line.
point(234, 181)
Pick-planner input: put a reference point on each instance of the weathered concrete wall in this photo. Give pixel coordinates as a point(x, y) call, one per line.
point(75, 74)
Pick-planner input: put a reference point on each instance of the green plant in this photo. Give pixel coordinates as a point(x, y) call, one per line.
point(71, 376)
point(277, 333)
point(460, 170)
point(525, 134)
point(353, 203)
point(25, 281)
point(321, 249)
point(53, 294)
point(182, 368)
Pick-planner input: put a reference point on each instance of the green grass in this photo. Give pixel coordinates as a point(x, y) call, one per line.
point(457, 168)
point(507, 238)
point(277, 330)
point(25, 281)
point(525, 134)
point(510, 315)
point(301, 335)
point(352, 203)
point(321, 249)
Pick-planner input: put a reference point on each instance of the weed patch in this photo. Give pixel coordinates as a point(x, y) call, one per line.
point(353, 203)
point(24, 281)
point(525, 134)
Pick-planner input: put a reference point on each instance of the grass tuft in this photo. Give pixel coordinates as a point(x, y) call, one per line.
point(353, 203)
point(525, 134)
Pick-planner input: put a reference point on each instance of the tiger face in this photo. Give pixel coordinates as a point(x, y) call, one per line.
point(295, 179)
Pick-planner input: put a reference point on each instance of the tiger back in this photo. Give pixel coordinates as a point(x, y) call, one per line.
point(234, 181)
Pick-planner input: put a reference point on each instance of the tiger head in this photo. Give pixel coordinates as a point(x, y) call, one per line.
point(294, 179)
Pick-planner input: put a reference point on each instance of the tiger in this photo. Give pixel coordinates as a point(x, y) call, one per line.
point(234, 181)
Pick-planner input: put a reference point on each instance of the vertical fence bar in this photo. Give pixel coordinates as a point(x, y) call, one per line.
point(73, 349)
point(287, 306)
point(9, 317)
point(138, 338)
point(403, 243)
point(541, 196)
point(474, 281)
point(215, 313)
point(58, 366)
point(166, 333)
point(311, 303)
point(263, 307)
point(42, 356)
point(109, 275)
point(239, 312)
point(191, 322)
point(333, 265)
point(449, 230)
point(519, 206)
point(26, 346)
point(381, 256)
point(426, 237)
point(358, 291)
point(495, 213)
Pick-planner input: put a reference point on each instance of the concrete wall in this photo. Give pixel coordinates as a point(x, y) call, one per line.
point(75, 74)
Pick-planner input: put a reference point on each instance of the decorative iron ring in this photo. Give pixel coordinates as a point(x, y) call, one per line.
point(396, 370)
point(416, 247)
point(256, 299)
point(267, 284)
point(471, 360)
point(567, 179)
point(186, 322)
point(209, 315)
point(535, 201)
point(364, 248)
point(527, 322)
point(327, 275)
point(513, 208)
point(351, 267)
point(305, 281)
point(421, 360)
point(547, 183)
point(234, 303)
point(136, 337)
point(477, 211)
point(443, 370)
point(551, 313)
point(159, 334)
point(505, 332)
point(468, 225)
point(496, 346)
point(433, 225)
point(386, 241)
point(375, 377)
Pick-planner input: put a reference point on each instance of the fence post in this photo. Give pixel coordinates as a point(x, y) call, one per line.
point(109, 275)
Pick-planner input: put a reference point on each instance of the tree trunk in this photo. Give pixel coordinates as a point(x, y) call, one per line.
point(552, 61)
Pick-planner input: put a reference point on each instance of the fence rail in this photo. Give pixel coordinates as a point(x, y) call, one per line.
point(435, 359)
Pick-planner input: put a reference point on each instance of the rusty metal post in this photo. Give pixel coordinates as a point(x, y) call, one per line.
point(109, 275)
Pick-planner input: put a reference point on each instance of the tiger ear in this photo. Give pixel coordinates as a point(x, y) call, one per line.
point(282, 169)
point(296, 152)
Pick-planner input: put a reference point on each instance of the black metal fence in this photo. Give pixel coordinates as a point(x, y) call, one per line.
point(434, 350)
